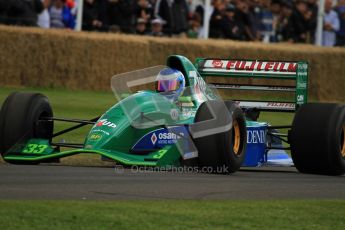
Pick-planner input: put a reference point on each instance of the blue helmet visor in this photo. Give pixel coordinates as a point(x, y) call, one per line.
point(168, 85)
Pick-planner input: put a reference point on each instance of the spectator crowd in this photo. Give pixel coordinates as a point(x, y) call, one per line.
point(292, 21)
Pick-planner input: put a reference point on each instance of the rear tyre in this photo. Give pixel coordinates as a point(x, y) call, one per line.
point(317, 139)
point(20, 119)
point(222, 152)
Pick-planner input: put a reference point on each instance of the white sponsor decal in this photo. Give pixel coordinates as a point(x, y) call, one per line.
point(256, 136)
point(100, 130)
point(254, 87)
point(165, 138)
point(188, 113)
point(154, 138)
point(266, 105)
point(300, 98)
point(105, 122)
point(301, 85)
point(174, 114)
point(250, 66)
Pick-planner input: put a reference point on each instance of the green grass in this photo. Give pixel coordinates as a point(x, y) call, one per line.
point(314, 214)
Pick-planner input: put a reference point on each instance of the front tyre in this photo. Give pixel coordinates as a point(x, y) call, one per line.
point(317, 139)
point(20, 119)
point(222, 152)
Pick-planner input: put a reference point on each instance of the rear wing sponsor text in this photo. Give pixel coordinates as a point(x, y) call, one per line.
point(279, 70)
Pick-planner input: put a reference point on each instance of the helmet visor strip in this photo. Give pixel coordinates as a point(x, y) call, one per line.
point(168, 85)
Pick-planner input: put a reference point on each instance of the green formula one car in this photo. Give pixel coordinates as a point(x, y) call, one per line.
point(169, 116)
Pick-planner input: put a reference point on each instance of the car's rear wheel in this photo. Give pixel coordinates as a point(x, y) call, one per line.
point(317, 139)
point(222, 152)
point(20, 119)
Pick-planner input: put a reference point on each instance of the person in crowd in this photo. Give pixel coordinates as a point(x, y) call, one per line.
point(122, 14)
point(254, 17)
point(242, 18)
point(331, 25)
point(60, 15)
point(299, 23)
point(44, 17)
point(174, 14)
point(198, 12)
point(312, 13)
point(91, 16)
point(340, 9)
point(157, 28)
point(22, 12)
point(216, 30)
point(199, 9)
point(232, 28)
point(70, 4)
point(141, 27)
point(102, 7)
point(246, 20)
point(266, 27)
point(276, 9)
point(195, 28)
point(283, 27)
point(144, 10)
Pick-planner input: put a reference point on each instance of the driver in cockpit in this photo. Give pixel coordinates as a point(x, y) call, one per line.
point(170, 83)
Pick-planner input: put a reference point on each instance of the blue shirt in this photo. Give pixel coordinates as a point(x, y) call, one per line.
point(329, 37)
point(341, 14)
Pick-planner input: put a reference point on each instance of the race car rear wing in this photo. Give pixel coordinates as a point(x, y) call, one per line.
point(229, 68)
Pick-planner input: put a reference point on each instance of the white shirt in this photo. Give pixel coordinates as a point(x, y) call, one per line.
point(44, 19)
point(329, 37)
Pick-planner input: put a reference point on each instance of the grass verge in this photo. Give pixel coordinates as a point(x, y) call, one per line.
point(313, 214)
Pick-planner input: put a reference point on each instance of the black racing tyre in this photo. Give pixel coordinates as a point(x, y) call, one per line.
point(317, 139)
point(222, 152)
point(19, 119)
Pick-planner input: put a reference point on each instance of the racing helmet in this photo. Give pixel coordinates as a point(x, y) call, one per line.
point(170, 82)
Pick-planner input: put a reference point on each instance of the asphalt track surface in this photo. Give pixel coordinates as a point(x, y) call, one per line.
point(106, 183)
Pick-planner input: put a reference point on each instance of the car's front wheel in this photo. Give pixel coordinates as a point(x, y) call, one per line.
point(20, 119)
point(222, 152)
